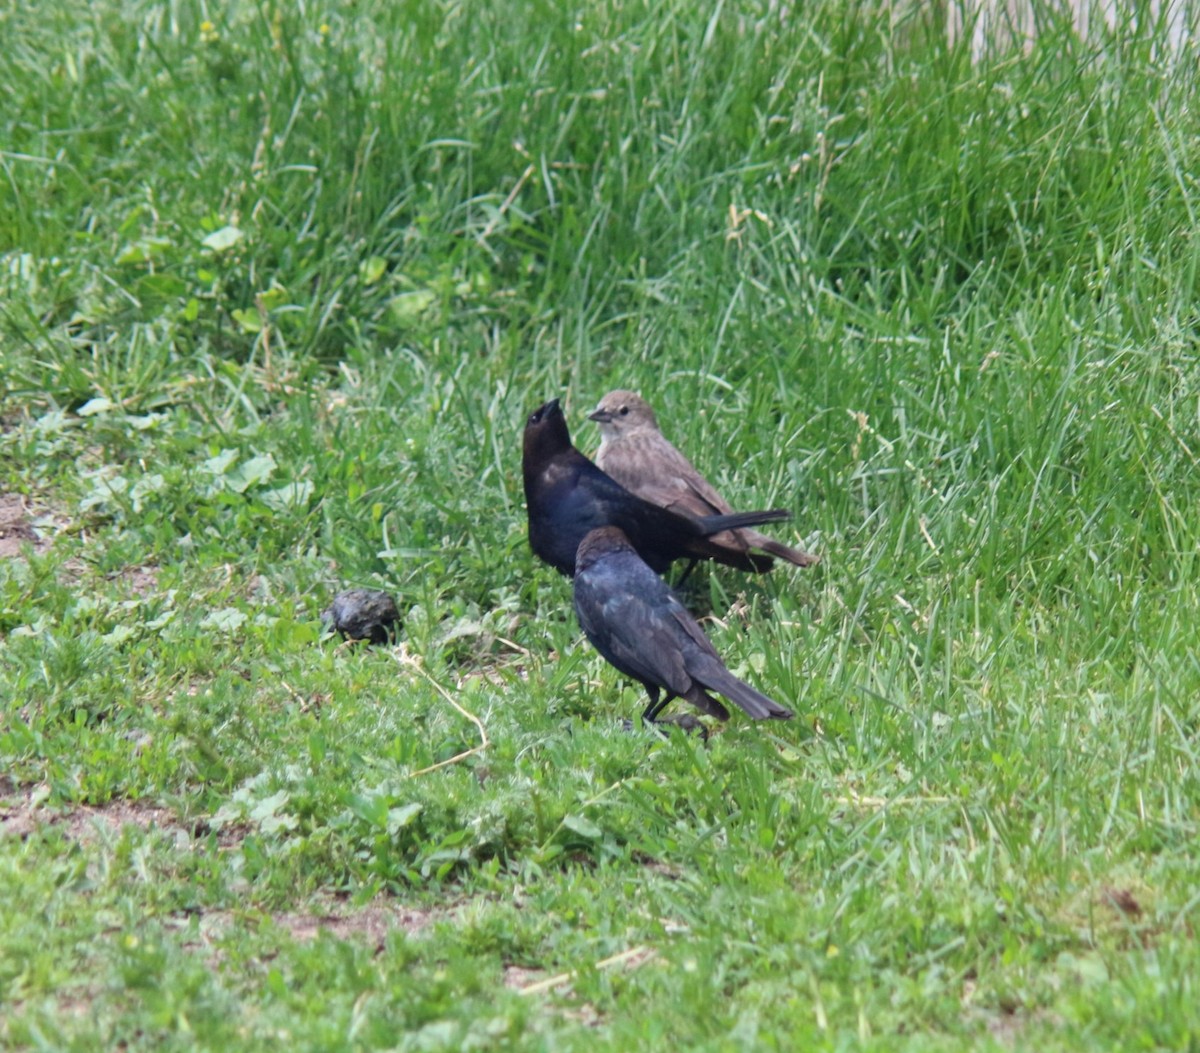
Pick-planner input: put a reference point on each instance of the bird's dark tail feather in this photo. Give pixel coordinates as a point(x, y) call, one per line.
point(757, 705)
point(736, 520)
point(796, 556)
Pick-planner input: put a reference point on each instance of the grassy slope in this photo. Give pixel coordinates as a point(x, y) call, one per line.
point(277, 294)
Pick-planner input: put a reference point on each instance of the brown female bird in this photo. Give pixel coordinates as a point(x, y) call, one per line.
point(638, 456)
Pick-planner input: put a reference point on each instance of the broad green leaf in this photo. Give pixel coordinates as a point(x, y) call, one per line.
point(253, 472)
point(371, 269)
point(409, 306)
point(293, 495)
point(227, 619)
point(583, 827)
point(143, 251)
point(398, 818)
point(222, 239)
point(96, 406)
point(272, 297)
point(221, 463)
point(164, 286)
point(249, 319)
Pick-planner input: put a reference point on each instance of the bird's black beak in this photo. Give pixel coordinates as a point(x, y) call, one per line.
point(600, 416)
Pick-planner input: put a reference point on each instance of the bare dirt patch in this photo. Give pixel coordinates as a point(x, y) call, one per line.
point(83, 822)
point(1007, 1024)
point(1121, 900)
point(17, 528)
point(22, 523)
point(535, 981)
point(138, 581)
point(372, 922)
point(518, 977)
point(369, 925)
point(1009, 1028)
point(86, 824)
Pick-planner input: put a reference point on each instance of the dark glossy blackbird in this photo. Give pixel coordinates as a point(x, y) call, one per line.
point(566, 495)
point(636, 622)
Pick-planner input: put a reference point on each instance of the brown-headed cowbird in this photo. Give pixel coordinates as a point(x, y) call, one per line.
point(639, 457)
point(636, 622)
point(566, 495)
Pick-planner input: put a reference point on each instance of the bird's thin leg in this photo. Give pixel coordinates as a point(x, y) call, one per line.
point(685, 721)
point(686, 574)
point(655, 707)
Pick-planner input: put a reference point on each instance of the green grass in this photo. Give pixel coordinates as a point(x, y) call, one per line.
point(276, 294)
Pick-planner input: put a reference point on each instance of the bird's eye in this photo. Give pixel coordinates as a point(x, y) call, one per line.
point(535, 417)
point(624, 411)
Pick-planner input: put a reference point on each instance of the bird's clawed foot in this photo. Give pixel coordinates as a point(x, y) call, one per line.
point(685, 722)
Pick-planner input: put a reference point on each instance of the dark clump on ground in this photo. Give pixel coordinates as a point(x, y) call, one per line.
point(363, 614)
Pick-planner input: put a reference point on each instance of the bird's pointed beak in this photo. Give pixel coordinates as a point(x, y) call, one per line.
point(600, 416)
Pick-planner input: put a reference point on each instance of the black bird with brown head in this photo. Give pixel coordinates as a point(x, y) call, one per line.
point(638, 624)
point(566, 495)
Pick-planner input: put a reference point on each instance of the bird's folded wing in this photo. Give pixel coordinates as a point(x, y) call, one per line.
point(643, 643)
point(690, 629)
